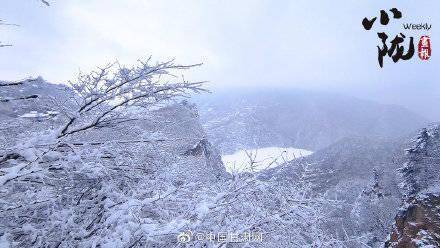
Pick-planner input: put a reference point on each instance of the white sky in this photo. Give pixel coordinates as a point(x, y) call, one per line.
point(306, 44)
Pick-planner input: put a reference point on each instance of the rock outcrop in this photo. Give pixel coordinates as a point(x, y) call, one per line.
point(417, 223)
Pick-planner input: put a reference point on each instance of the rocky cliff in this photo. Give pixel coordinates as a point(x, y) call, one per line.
point(417, 223)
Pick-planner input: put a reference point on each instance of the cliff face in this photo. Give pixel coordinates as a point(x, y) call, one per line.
point(417, 223)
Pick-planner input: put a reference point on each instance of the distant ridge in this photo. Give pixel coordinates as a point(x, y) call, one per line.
point(297, 118)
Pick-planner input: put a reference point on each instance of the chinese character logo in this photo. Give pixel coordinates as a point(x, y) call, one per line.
point(396, 49)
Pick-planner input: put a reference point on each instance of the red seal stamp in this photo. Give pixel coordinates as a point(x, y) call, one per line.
point(424, 47)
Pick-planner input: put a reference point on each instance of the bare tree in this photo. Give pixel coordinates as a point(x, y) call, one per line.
point(103, 93)
point(106, 96)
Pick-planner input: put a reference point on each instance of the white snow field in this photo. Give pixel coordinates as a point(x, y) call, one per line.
point(264, 158)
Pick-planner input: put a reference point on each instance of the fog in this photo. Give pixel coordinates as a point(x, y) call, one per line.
point(317, 45)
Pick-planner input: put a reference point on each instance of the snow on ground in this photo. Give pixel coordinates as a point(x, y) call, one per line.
point(263, 158)
point(35, 114)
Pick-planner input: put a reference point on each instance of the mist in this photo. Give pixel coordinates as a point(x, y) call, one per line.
point(252, 44)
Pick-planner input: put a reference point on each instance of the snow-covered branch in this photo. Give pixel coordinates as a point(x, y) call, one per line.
point(105, 92)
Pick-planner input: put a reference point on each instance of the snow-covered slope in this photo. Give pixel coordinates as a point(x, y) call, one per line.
point(390, 194)
point(359, 171)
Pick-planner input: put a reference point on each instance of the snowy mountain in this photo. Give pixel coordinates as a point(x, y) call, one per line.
point(299, 119)
point(155, 180)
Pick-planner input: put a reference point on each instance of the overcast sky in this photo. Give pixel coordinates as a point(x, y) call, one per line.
point(292, 44)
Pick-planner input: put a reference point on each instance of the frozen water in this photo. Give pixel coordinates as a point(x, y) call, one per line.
point(263, 158)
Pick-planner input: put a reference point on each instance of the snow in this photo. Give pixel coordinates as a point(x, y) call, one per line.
point(4, 242)
point(203, 209)
point(10, 173)
point(36, 114)
point(31, 114)
point(268, 157)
